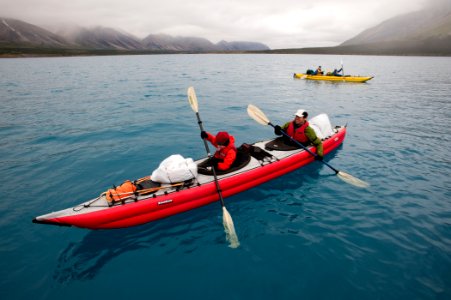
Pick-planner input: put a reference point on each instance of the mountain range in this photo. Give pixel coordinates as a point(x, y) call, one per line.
point(428, 30)
point(16, 34)
point(424, 32)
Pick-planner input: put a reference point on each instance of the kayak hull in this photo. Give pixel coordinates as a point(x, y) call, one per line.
point(333, 78)
point(96, 214)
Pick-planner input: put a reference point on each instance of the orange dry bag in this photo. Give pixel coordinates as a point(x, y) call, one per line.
point(125, 190)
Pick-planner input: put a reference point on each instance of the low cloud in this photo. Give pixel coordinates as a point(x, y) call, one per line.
point(278, 24)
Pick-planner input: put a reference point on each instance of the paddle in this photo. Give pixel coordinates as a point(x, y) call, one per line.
point(256, 114)
point(342, 70)
point(226, 218)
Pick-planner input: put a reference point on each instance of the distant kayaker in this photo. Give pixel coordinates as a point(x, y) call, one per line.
point(336, 72)
point(226, 150)
point(318, 71)
point(300, 130)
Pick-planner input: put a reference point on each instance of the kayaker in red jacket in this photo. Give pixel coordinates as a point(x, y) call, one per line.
point(226, 152)
point(300, 130)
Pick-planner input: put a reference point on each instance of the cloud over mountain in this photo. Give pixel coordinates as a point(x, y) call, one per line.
point(16, 33)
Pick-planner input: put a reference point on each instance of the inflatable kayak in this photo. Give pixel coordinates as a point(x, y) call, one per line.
point(150, 201)
point(346, 78)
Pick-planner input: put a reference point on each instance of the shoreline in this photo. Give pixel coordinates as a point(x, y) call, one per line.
point(53, 52)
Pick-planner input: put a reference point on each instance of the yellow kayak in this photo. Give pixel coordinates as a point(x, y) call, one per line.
point(346, 78)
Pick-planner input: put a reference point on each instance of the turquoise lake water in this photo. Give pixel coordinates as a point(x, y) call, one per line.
point(70, 128)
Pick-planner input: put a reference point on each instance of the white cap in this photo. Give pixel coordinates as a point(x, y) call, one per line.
point(301, 113)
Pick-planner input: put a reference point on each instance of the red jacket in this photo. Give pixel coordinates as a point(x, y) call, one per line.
point(226, 155)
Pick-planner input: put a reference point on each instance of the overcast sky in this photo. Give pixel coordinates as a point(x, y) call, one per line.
point(276, 23)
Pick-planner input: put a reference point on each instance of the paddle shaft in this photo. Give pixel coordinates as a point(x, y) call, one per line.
point(218, 188)
point(305, 148)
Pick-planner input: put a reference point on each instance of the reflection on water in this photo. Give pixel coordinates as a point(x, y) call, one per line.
point(83, 260)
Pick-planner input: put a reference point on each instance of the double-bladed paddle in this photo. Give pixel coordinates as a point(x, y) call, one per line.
point(256, 114)
point(226, 218)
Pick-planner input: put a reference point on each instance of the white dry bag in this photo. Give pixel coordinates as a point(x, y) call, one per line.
point(175, 168)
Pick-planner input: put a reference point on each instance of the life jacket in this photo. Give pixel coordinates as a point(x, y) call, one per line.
point(299, 133)
point(125, 190)
point(226, 155)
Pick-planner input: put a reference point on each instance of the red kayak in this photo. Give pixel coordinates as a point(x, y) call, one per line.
point(258, 163)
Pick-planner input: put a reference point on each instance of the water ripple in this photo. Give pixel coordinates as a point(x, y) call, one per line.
point(69, 131)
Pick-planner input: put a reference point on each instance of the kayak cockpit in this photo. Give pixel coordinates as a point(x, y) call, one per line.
point(243, 156)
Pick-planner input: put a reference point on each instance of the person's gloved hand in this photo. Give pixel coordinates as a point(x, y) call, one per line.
point(277, 130)
point(319, 158)
point(203, 134)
